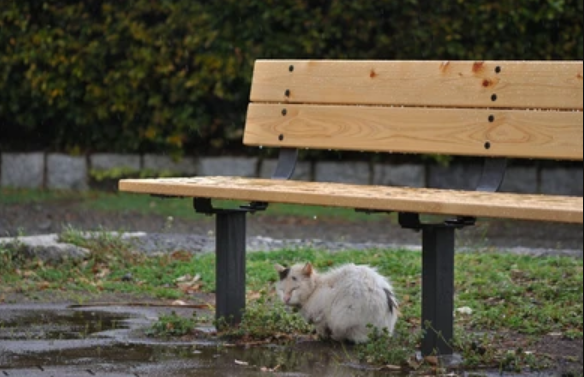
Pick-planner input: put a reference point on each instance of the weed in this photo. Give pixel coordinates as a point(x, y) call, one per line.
point(519, 361)
point(173, 325)
point(105, 247)
point(11, 255)
point(385, 349)
point(265, 319)
point(488, 350)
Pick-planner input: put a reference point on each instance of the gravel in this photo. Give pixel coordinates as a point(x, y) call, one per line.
point(267, 233)
point(48, 248)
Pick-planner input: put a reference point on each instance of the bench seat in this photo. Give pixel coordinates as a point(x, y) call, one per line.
point(426, 201)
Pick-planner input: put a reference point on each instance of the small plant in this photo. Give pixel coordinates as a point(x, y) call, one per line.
point(385, 349)
point(104, 246)
point(476, 350)
point(173, 325)
point(6, 256)
point(486, 351)
point(268, 320)
point(11, 255)
point(520, 361)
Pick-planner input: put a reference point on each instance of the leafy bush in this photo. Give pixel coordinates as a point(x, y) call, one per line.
point(166, 75)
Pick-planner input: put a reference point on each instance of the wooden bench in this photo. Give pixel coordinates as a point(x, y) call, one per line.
point(497, 110)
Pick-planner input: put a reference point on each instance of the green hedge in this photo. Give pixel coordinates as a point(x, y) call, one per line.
point(174, 75)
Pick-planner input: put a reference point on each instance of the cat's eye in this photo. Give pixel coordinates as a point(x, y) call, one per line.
point(294, 278)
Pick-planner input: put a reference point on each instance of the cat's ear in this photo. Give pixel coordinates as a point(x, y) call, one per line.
point(282, 271)
point(308, 270)
point(279, 268)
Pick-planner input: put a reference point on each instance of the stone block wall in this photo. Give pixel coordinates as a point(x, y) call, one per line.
point(58, 171)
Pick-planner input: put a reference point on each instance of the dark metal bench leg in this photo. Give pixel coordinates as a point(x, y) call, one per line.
point(438, 289)
point(231, 245)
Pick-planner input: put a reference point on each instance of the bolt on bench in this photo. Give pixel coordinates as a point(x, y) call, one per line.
point(497, 110)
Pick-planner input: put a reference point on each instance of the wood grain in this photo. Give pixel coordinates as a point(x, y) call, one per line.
point(519, 84)
point(428, 201)
point(473, 132)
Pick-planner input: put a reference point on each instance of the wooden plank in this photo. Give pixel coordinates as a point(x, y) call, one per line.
point(428, 201)
point(492, 84)
point(473, 132)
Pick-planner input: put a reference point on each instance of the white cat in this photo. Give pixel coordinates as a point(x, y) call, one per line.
point(341, 303)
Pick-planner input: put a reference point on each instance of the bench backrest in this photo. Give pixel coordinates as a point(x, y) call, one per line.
point(492, 109)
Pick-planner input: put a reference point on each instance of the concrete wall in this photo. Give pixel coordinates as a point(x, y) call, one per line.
point(57, 171)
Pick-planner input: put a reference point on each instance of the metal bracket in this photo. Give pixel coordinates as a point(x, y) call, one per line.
point(205, 206)
point(413, 221)
point(493, 175)
point(491, 180)
point(158, 196)
point(286, 164)
point(372, 211)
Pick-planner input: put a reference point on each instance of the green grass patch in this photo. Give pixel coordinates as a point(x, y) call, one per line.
point(505, 292)
point(21, 196)
point(179, 208)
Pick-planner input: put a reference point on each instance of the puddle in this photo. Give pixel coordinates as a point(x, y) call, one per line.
point(58, 341)
point(59, 325)
point(190, 361)
point(55, 341)
point(187, 361)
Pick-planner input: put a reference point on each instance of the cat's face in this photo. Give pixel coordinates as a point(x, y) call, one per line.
point(296, 284)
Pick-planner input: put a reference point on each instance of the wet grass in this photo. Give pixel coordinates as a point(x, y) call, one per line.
point(503, 296)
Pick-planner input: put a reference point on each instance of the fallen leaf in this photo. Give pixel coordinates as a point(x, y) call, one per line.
point(241, 363)
point(254, 296)
point(181, 256)
point(392, 368)
point(43, 286)
point(432, 360)
point(184, 279)
point(179, 303)
point(188, 284)
point(464, 311)
point(28, 274)
point(190, 289)
point(103, 273)
point(270, 370)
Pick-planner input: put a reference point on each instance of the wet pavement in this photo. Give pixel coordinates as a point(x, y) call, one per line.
point(55, 340)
